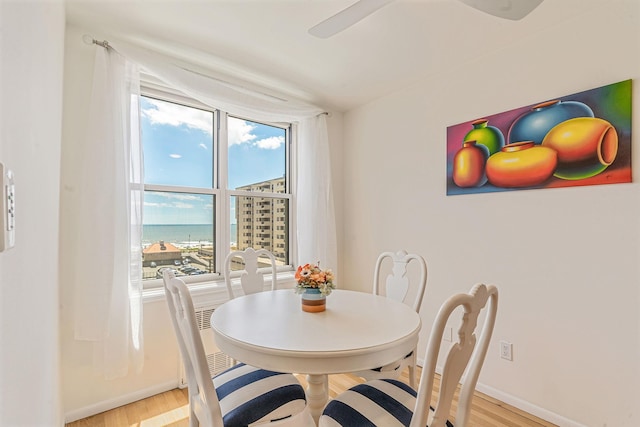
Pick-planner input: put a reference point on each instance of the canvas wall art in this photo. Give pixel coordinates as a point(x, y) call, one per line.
point(574, 140)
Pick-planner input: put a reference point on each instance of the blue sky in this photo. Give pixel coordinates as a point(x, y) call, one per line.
point(178, 151)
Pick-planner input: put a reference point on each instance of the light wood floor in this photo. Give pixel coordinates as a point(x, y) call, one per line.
point(171, 409)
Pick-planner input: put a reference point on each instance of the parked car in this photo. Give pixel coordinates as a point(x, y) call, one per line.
point(162, 269)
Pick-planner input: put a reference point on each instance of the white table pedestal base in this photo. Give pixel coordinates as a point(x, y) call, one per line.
point(317, 394)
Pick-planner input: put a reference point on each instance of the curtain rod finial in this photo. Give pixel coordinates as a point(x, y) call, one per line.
point(90, 40)
point(87, 39)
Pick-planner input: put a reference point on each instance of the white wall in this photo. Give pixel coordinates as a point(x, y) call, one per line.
point(565, 260)
point(31, 56)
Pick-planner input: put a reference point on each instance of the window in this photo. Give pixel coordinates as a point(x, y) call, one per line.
point(203, 184)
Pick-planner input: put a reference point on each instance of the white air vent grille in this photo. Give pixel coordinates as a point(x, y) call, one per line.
point(216, 359)
point(218, 362)
point(204, 318)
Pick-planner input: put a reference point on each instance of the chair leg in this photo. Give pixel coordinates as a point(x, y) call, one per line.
point(412, 376)
point(193, 420)
point(412, 371)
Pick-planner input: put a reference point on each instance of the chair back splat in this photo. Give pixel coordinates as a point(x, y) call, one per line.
point(385, 402)
point(397, 284)
point(398, 287)
point(468, 353)
point(251, 279)
point(240, 396)
point(203, 402)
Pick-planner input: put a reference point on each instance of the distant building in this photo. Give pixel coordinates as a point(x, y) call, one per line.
point(161, 253)
point(262, 221)
point(206, 251)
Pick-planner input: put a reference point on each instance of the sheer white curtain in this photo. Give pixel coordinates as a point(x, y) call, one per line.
point(316, 224)
point(316, 228)
point(108, 287)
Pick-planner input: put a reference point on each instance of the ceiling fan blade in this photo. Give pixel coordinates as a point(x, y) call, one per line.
point(347, 17)
point(507, 9)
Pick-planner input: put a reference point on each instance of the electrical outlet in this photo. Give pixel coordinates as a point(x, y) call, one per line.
point(506, 350)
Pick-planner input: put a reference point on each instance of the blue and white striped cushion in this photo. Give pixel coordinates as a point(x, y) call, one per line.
point(248, 395)
point(377, 403)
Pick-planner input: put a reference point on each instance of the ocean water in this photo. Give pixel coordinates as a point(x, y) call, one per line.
point(182, 234)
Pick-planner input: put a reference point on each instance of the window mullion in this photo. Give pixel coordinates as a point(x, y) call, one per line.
point(223, 211)
point(176, 189)
point(292, 190)
point(258, 194)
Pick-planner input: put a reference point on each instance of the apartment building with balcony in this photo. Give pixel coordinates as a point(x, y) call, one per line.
point(262, 221)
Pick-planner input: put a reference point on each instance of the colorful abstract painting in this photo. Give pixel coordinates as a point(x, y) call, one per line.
point(575, 140)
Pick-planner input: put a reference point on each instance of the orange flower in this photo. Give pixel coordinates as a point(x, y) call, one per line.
point(311, 276)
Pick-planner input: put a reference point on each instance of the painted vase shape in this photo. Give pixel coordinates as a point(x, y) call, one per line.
point(535, 124)
point(469, 165)
point(313, 301)
point(521, 164)
point(489, 136)
point(586, 146)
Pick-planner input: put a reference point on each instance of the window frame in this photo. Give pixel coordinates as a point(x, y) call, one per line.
point(221, 194)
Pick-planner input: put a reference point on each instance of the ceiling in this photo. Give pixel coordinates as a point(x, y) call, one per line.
point(264, 43)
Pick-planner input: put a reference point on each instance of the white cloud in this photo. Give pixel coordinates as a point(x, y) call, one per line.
point(174, 200)
point(270, 143)
point(175, 156)
point(179, 196)
point(166, 113)
point(171, 204)
point(182, 205)
point(239, 131)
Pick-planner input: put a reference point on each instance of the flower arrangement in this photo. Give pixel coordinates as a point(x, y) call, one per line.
point(312, 277)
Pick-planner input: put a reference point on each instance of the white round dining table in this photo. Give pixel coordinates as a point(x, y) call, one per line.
point(357, 331)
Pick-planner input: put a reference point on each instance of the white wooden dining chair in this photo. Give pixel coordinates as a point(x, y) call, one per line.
point(251, 279)
point(398, 286)
point(240, 396)
point(390, 402)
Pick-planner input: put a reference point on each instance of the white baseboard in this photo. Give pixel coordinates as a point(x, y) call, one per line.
point(107, 405)
point(521, 404)
point(529, 407)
